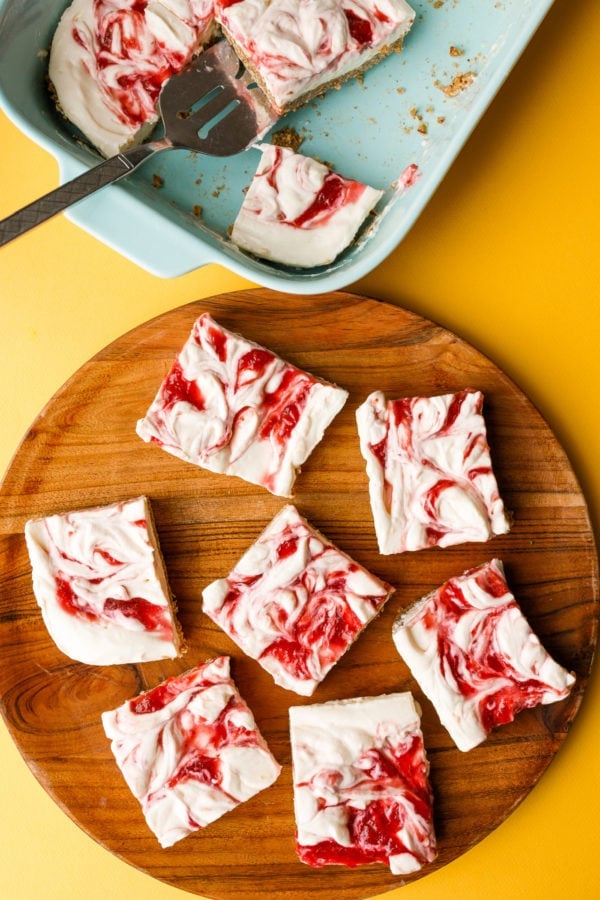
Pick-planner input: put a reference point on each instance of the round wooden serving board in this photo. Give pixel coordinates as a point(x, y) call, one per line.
point(83, 451)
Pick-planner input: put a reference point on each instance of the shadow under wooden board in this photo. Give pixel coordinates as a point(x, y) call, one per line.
point(82, 451)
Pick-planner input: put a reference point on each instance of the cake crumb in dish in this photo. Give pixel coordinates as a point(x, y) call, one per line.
point(190, 750)
point(408, 177)
point(287, 137)
point(458, 84)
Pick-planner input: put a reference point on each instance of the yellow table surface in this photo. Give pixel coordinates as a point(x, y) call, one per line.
point(506, 255)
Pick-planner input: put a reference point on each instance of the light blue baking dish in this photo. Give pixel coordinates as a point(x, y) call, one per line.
point(371, 129)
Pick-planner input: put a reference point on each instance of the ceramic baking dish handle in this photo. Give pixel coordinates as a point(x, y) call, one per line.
point(71, 192)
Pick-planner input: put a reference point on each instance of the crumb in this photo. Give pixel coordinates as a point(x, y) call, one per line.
point(456, 51)
point(400, 90)
point(438, 4)
point(459, 83)
point(421, 126)
point(287, 137)
point(157, 181)
point(441, 120)
point(197, 210)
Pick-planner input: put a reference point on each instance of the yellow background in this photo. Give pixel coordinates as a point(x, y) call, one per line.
point(506, 255)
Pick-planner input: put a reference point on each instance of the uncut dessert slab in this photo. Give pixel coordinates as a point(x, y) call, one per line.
point(82, 450)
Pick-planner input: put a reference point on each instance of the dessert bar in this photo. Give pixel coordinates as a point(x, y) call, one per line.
point(428, 462)
point(299, 212)
point(100, 581)
point(296, 49)
point(236, 408)
point(475, 656)
point(110, 58)
point(361, 784)
point(190, 750)
point(294, 602)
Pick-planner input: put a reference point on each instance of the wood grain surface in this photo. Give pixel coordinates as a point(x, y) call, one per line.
point(82, 450)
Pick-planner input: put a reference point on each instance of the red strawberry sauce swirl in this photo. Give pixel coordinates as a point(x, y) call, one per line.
point(155, 619)
point(481, 670)
point(399, 775)
point(309, 611)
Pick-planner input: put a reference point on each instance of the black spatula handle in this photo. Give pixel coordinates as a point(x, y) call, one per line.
point(71, 192)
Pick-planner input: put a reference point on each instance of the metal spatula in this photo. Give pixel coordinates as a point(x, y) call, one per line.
point(213, 106)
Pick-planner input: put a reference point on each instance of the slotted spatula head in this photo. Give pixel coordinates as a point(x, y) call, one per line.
point(214, 106)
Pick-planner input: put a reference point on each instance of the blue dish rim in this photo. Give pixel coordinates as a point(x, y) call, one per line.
point(107, 216)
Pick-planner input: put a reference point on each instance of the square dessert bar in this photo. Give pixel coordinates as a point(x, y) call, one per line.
point(99, 578)
point(294, 602)
point(110, 58)
point(298, 212)
point(190, 750)
point(296, 49)
point(361, 784)
point(473, 653)
point(234, 407)
point(431, 481)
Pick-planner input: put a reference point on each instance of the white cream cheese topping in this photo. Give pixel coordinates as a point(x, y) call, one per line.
point(298, 212)
point(190, 750)
point(475, 656)
point(233, 407)
point(99, 580)
point(294, 602)
point(361, 790)
point(431, 481)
